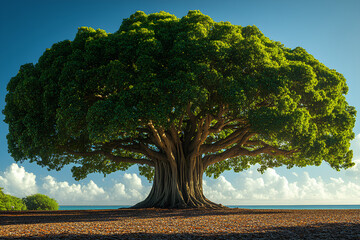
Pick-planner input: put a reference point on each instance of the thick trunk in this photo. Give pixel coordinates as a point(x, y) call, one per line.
point(178, 185)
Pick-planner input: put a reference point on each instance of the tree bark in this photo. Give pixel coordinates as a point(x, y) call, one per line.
point(178, 184)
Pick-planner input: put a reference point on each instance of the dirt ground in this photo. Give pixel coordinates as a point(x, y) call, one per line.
point(181, 224)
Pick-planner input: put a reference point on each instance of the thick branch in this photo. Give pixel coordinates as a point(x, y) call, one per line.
point(199, 132)
point(169, 145)
point(174, 132)
point(156, 136)
point(240, 151)
point(143, 149)
point(161, 139)
point(191, 125)
point(201, 135)
point(205, 130)
point(119, 159)
point(235, 137)
point(112, 157)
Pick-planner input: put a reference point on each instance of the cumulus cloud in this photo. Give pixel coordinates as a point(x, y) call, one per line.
point(268, 186)
point(127, 192)
point(220, 190)
point(74, 194)
point(119, 191)
point(131, 190)
point(354, 172)
point(251, 187)
point(17, 182)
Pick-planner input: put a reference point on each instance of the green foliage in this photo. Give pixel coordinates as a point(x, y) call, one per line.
point(99, 89)
point(10, 203)
point(40, 202)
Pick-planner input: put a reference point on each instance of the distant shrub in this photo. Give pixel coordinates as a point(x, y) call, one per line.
point(10, 203)
point(40, 202)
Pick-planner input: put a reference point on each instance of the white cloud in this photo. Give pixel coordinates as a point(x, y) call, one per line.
point(220, 190)
point(129, 192)
point(251, 187)
point(16, 181)
point(248, 187)
point(119, 191)
point(133, 181)
point(268, 186)
point(354, 172)
point(75, 194)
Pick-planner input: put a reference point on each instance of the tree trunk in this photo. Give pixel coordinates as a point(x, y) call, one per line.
point(178, 185)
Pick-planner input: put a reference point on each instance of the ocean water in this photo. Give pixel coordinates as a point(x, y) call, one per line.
point(97, 207)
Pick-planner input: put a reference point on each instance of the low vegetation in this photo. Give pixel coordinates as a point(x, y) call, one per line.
point(9, 203)
point(32, 202)
point(40, 202)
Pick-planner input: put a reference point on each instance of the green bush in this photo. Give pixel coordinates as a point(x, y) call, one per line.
point(10, 203)
point(40, 202)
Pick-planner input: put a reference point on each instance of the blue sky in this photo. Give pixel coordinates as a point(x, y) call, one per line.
point(329, 30)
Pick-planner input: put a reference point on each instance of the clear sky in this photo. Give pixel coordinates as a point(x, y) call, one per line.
point(327, 29)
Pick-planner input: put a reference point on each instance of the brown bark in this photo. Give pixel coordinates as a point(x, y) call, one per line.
point(178, 185)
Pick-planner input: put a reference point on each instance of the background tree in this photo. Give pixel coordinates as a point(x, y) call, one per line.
point(10, 203)
point(40, 202)
point(179, 97)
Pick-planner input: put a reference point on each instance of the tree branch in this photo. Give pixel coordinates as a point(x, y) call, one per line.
point(156, 136)
point(143, 149)
point(197, 137)
point(205, 130)
point(240, 151)
point(191, 125)
point(162, 140)
point(169, 145)
point(112, 157)
point(174, 133)
point(119, 159)
point(235, 137)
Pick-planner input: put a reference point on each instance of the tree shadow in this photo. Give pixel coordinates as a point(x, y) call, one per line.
point(31, 217)
point(316, 231)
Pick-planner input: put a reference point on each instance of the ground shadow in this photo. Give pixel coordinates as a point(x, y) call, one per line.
point(316, 231)
point(30, 217)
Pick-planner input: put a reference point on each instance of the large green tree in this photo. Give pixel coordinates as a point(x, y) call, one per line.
point(178, 97)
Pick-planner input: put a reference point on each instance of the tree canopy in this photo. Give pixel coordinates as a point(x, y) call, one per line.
point(163, 88)
point(40, 202)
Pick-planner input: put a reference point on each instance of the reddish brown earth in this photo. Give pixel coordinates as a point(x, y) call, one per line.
point(181, 224)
